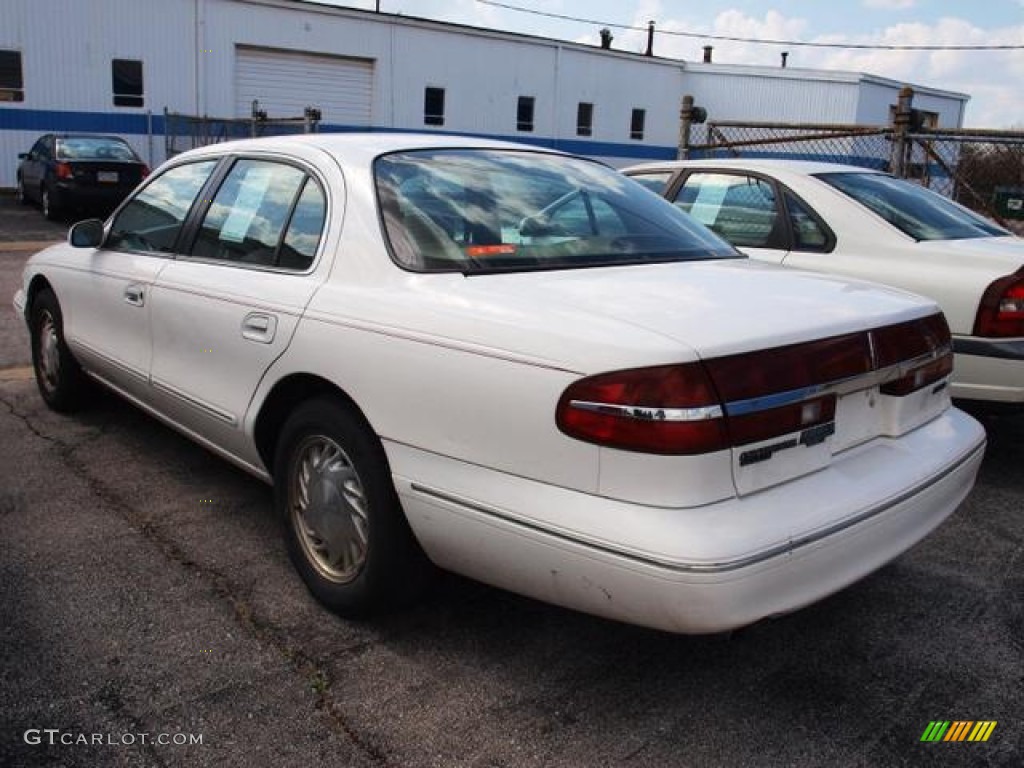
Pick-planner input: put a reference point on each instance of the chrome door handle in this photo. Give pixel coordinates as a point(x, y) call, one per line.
point(135, 295)
point(258, 326)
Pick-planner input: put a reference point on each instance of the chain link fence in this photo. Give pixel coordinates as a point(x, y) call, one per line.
point(184, 132)
point(981, 169)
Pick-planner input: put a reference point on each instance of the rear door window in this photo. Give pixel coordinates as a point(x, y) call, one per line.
point(265, 213)
point(740, 208)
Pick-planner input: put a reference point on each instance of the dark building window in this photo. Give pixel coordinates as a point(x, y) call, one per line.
point(524, 114)
point(433, 106)
point(636, 124)
point(126, 78)
point(12, 88)
point(584, 119)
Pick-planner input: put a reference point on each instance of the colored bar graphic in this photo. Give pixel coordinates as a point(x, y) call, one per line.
point(959, 730)
point(935, 731)
point(982, 730)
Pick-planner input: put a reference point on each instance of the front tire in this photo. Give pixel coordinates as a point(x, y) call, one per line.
point(345, 529)
point(58, 375)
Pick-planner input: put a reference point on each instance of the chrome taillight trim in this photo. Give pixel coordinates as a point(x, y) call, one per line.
point(838, 387)
point(649, 413)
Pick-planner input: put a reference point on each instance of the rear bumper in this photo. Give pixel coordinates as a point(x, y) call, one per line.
point(987, 369)
point(699, 570)
point(72, 193)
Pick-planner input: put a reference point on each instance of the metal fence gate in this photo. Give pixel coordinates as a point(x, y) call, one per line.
point(184, 132)
point(981, 169)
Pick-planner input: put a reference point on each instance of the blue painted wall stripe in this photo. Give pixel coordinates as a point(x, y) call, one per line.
point(47, 120)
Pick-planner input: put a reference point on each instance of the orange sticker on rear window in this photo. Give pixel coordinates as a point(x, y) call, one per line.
point(489, 250)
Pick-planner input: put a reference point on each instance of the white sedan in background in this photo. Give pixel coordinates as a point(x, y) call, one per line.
point(515, 364)
point(857, 222)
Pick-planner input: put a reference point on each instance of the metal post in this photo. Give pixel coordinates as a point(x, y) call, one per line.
point(901, 145)
point(168, 133)
point(685, 124)
point(149, 137)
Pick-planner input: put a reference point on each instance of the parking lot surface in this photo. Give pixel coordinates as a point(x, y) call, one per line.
point(146, 597)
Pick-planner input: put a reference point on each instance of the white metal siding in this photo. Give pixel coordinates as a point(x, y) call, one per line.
point(286, 82)
point(783, 99)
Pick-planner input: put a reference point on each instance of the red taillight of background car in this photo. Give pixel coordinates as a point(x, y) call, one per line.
point(145, 171)
point(1001, 312)
point(63, 170)
point(737, 400)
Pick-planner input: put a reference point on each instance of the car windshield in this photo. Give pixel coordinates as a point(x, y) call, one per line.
point(481, 211)
point(94, 148)
point(914, 210)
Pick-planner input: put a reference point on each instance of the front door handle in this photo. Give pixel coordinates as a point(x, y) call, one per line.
point(135, 295)
point(259, 326)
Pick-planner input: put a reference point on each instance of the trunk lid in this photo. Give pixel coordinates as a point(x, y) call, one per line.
point(738, 309)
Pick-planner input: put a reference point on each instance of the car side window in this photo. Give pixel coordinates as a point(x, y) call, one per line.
point(808, 233)
point(656, 181)
point(152, 219)
point(248, 218)
point(304, 230)
point(38, 150)
point(742, 209)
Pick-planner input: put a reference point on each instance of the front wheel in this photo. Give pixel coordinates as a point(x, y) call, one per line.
point(58, 375)
point(346, 532)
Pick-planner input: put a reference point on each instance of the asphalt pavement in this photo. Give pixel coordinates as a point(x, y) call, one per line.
point(146, 597)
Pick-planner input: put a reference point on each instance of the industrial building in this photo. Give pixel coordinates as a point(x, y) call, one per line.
point(114, 66)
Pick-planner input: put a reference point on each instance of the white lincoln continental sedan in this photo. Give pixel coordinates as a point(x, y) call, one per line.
point(514, 364)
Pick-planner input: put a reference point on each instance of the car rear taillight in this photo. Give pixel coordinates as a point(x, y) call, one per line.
point(737, 400)
point(1001, 311)
point(671, 409)
point(920, 377)
point(145, 171)
point(63, 170)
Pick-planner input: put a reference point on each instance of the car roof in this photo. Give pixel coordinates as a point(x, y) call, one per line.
point(87, 136)
point(355, 147)
point(766, 165)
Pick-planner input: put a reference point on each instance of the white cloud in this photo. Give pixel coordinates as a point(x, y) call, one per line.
point(991, 78)
point(890, 5)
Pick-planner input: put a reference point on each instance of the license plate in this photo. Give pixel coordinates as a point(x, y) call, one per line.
point(107, 176)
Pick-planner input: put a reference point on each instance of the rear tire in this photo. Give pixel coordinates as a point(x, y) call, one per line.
point(50, 208)
point(346, 533)
point(58, 375)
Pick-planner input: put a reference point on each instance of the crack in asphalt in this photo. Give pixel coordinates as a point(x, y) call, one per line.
point(265, 633)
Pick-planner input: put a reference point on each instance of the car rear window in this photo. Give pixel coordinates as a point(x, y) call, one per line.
point(914, 210)
point(94, 148)
point(480, 211)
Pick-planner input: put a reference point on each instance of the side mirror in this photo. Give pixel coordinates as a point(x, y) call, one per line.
point(86, 234)
point(23, 155)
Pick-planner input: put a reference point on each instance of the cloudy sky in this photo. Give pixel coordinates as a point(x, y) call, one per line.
point(993, 79)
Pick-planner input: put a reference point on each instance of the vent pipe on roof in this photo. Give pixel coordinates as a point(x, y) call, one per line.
point(606, 39)
point(785, 55)
point(707, 53)
point(650, 39)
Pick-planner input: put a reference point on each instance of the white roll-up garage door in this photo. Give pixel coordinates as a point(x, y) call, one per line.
point(286, 82)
